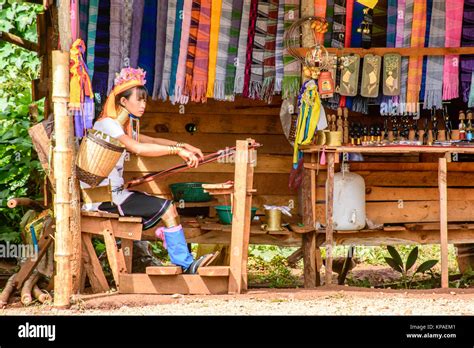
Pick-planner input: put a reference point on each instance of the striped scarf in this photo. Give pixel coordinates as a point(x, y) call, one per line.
point(115, 40)
point(165, 83)
point(83, 18)
point(256, 77)
point(391, 22)
point(101, 57)
point(339, 24)
point(453, 39)
point(242, 56)
point(405, 61)
point(137, 20)
point(179, 95)
point(193, 31)
point(213, 44)
point(250, 42)
point(223, 46)
point(400, 23)
point(279, 47)
point(146, 59)
point(127, 33)
point(434, 70)
point(91, 35)
point(178, 25)
point(199, 84)
point(232, 49)
point(269, 56)
point(467, 62)
point(292, 68)
point(415, 68)
point(329, 19)
point(162, 17)
point(429, 8)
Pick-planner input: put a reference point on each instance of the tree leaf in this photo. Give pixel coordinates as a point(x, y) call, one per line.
point(395, 255)
point(425, 266)
point(392, 263)
point(412, 257)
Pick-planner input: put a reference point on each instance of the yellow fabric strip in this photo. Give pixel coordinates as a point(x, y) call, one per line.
point(213, 43)
point(368, 3)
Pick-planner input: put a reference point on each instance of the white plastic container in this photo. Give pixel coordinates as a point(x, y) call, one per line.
point(349, 200)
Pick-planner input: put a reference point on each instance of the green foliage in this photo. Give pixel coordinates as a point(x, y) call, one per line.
point(19, 169)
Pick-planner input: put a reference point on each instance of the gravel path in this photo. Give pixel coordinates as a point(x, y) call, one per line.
point(324, 301)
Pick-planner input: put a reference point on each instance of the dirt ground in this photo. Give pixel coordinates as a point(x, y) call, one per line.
point(325, 300)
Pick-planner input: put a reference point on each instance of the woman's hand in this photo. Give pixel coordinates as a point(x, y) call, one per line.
point(194, 150)
point(191, 159)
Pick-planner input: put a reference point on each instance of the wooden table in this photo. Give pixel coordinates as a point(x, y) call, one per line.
point(313, 153)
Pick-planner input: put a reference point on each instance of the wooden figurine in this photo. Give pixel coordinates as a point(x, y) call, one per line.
point(339, 120)
point(346, 126)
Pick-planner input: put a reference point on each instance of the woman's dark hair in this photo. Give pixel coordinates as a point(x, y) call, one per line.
point(142, 93)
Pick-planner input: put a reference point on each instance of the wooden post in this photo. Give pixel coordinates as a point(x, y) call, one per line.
point(443, 220)
point(330, 217)
point(309, 238)
point(243, 183)
point(63, 170)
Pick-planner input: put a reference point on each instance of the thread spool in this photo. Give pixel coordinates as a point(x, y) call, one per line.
point(321, 137)
point(334, 138)
point(455, 134)
point(273, 220)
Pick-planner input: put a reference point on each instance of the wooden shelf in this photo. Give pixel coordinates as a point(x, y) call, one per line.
point(406, 51)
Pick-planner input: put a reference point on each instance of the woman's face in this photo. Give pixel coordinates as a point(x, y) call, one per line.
point(133, 104)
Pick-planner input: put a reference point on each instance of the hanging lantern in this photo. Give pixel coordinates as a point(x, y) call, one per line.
point(326, 84)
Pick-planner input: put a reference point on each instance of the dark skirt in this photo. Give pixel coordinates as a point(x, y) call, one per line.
point(150, 208)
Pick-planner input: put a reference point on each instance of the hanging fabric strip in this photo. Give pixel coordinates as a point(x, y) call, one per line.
point(179, 96)
point(329, 19)
point(405, 60)
point(415, 68)
point(213, 45)
point(467, 62)
point(357, 19)
point(320, 7)
point(391, 23)
point(178, 26)
point(115, 41)
point(91, 35)
point(83, 18)
point(434, 69)
point(146, 59)
point(368, 26)
point(292, 67)
point(279, 47)
point(391, 35)
point(250, 42)
point(199, 84)
point(74, 15)
point(349, 19)
point(190, 59)
point(137, 19)
point(101, 56)
point(269, 56)
point(453, 39)
point(256, 77)
point(379, 28)
point(223, 46)
point(162, 17)
point(339, 24)
point(165, 83)
point(232, 49)
point(429, 8)
point(400, 23)
point(242, 53)
point(127, 33)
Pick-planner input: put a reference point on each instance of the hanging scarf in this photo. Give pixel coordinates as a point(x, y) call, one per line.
point(81, 101)
point(349, 19)
point(199, 85)
point(320, 7)
point(415, 68)
point(391, 23)
point(269, 56)
point(146, 59)
point(232, 49)
point(115, 40)
point(127, 15)
point(453, 39)
point(429, 9)
point(379, 29)
point(250, 44)
point(242, 53)
point(213, 45)
point(74, 15)
point(223, 46)
point(400, 23)
point(179, 95)
point(309, 106)
point(190, 58)
point(329, 19)
point(357, 18)
point(405, 61)
point(279, 47)
point(83, 18)
point(434, 69)
point(101, 56)
point(162, 17)
point(471, 94)
point(91, 35)
point(165, 83)
point(339, 24)
point(178, 26)
point(467, 62)
point(292, 67)
point(137, 19)
point(256, 77)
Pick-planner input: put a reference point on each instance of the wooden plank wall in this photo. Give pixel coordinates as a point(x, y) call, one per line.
point(219, 125)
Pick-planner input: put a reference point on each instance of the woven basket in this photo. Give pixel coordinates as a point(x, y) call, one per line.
point(98, 155)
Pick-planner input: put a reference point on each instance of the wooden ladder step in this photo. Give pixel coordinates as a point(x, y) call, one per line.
point(214, 271)
point(164, 270)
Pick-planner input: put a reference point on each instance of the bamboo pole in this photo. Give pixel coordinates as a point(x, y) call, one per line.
point(63, 169)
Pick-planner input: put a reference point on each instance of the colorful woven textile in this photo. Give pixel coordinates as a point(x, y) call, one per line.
point(415, 67)
point(199, 84)
point(434, 70)
point(292, 68)
point(454, 17)
point(236, 18)
point(223, 46)
point(146, 59)
point(213, 45)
